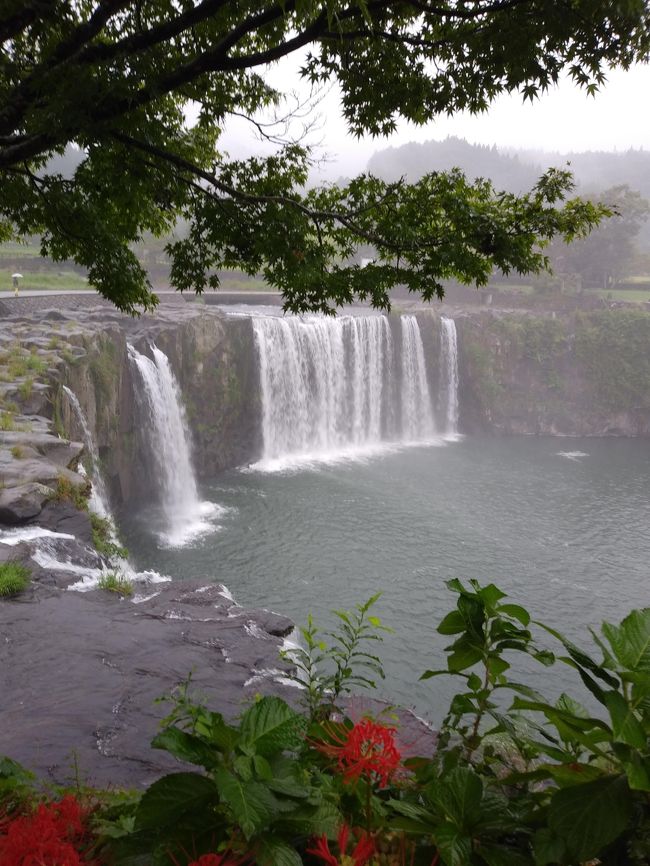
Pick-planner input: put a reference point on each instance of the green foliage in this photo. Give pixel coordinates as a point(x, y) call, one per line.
point(7, 421)
point(14, 579)
point(17, 452)
point(67, 491)
point(117, 80)
point(104, 537)
point(330, 670)
point(25, 388)
point(611, 346)
point(515, 779)
point(113, 582)
point(608, 253)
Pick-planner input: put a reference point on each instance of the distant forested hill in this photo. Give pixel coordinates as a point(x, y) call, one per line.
point(413, 160)
point(517, 170)
point(514, 170)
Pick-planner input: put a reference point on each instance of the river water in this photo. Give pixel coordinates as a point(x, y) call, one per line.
point(559, 524)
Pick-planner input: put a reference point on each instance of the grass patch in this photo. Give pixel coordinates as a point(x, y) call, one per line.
point(103, 533)
point(113, 582)
point(44, 280)
point(17, 452)
point(7, 421)
point(22, 364)
point(66, 491)
point(14, 578)
point(25, 388)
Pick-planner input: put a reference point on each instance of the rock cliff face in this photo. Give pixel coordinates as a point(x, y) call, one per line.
point(520, 373)
point(582, 374)
point(213, 358)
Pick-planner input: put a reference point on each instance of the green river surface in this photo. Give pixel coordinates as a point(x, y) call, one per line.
point(562, 525)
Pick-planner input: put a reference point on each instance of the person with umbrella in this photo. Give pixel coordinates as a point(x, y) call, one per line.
point(15, 278)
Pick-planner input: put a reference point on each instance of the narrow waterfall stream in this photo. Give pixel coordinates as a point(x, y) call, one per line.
point(449, 373)
point(337, 387)
point(98, 497)
point(185, 516)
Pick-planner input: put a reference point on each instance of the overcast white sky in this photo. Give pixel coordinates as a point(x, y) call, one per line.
point(565, 119)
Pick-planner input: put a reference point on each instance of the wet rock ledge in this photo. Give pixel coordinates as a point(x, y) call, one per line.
point(80, 673)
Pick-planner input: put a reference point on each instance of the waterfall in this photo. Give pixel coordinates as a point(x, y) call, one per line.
point(328, 385)
point(99, 504)
point(417, 414)
point(449, 372)
point(98, 497)
point(169, 440)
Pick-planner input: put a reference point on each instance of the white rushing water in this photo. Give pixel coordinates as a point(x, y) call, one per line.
point(417, 413)
point(99, 504)
point(185, 516)
point(330, 388)
point(449, 373)
point(98, 496)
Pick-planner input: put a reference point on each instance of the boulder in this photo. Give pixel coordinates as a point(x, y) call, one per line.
point(20, 504)
point(64, 517)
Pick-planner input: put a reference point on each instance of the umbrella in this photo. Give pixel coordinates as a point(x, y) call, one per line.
point(16, 276)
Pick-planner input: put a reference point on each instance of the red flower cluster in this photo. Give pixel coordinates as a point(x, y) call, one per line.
point(367, 749)
point(53, 835)
point(361, 853)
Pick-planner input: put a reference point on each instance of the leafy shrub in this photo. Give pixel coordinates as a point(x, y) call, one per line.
point(103, 537)
point(14, 578)
point(66, 491)
point(113, 582)
point(535, 783)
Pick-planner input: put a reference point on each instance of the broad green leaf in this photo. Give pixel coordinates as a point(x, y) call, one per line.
point(548, 848)
point(252, 804)
point(312, 820)
point(243, 765)
point(625, 724)
point(630, 641)
point(588, 817)
point(572, 774)
point(637, 770)
point(427, 675)
point(580, 657)
point(186, 747)
point(173, 796)
point(459, 795)
point(515, 611)
point(262, 768)
point(453, 623)
point(273, 851)
point(270, 726)
point(455, 847)
point(464, 655)
point(490, 595)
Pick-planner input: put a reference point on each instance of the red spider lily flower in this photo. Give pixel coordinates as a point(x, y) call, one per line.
point(367, 749)
point(53, 835)
point(361, 853)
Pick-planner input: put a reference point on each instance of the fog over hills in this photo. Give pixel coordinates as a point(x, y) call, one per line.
point(514, 170)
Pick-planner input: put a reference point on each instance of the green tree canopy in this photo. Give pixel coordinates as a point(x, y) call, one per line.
point(145, 87)
point(609, 252)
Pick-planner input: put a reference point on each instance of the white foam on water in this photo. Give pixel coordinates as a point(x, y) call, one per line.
point(572, 455)
point(30, 533)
